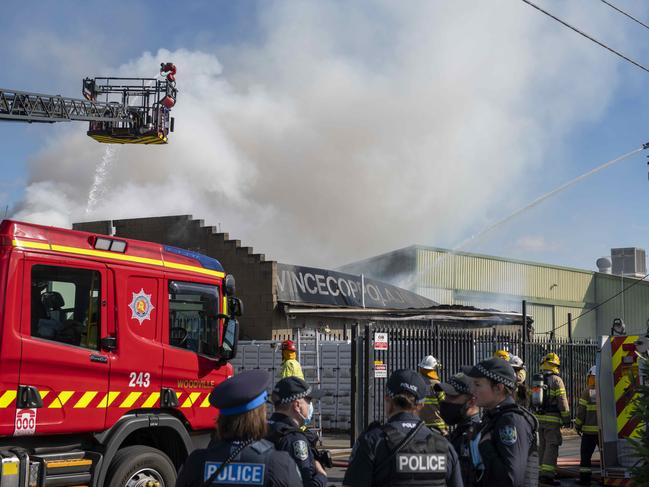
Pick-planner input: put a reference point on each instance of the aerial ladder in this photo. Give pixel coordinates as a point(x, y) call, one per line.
point(119, 110)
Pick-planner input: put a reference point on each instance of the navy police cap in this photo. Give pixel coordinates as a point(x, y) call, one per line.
point(409, 381)
point(291, 389)
point(241, 393)
point(459, 384)
point(495, 369)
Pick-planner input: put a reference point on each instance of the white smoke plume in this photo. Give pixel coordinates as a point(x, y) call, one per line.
point(348, 129)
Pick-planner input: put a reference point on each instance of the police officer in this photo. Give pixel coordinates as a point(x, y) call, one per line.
point(292, 398)
point(586, 425)
point(240, 455)
point(552, 414)
point(459, 409)
point(429, 369)
point(290, 366)
point(404, 451)
point(504, 449)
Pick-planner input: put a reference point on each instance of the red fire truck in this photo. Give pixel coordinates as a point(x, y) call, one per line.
point(109, 349)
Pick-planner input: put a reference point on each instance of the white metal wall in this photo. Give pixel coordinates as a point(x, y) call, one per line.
point(335, 373)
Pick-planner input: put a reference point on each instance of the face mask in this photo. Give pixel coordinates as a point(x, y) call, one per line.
point(309, 415)
point(451, 413)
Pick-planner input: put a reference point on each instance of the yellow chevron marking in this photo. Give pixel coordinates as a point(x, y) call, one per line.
point(108, 399)
point(43, 394)
point(85, 399)
point(130, 399)
point(189, 402)
point(206, 402)
point(61, 399)
point(151, 400)
point(7, 398)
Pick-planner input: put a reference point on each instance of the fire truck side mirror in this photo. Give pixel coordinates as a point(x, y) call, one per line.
point(235, 306)
point(230, 340)
point(229, 286)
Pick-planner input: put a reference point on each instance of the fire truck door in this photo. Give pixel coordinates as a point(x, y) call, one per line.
point(136, 368)
point(63, 372)
point(190, 340)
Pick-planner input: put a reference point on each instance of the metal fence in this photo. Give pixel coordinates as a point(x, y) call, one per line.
point(455, 348)
point(349, 368)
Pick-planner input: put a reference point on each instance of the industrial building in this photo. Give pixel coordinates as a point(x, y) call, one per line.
point(616, 290)
point(280, 298)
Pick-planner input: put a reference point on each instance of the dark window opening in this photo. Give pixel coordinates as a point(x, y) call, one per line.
point(66, 305)
point(193, 317)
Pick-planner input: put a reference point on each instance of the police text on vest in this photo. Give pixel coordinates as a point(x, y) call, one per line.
point(420, 462)
point(236, 473)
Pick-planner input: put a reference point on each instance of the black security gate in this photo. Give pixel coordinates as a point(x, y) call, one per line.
point(455, 347)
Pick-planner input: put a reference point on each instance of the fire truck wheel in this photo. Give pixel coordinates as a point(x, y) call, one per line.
point(140, 466)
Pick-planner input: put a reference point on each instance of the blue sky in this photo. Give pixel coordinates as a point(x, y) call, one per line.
point(50, 46)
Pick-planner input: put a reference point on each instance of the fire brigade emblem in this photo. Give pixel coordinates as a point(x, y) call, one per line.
point(508, 435)
point(141, 306)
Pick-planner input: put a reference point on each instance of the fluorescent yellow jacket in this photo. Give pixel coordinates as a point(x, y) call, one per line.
point(291, 368)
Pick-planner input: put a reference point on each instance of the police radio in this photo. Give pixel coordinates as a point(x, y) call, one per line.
point(538, 391)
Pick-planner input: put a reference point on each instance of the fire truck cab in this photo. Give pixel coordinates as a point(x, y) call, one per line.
point(109, 349)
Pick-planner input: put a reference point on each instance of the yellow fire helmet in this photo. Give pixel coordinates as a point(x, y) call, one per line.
point(552, 358)
point(503, 354)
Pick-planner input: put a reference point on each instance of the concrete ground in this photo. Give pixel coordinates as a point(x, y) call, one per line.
point(568, 458)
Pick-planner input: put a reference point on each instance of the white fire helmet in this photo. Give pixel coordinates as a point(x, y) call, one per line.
point(516, 362)
point(429, 363)
point(593, 370)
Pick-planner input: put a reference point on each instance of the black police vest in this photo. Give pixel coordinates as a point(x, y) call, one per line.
point(249, 468)
point(421, 462)
point(461, 438)
point(532, 469)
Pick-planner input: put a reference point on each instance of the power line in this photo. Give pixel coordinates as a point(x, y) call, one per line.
point(638, 281)
point(625, 14)
point(617, 53)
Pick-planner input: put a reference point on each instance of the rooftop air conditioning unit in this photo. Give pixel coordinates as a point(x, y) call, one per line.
point(629, 262)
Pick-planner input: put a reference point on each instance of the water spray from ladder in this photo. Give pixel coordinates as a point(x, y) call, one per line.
point(98, 188)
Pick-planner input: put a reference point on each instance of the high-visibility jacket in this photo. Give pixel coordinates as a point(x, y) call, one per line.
point(291, 368)
point(430, 412)
point(555, 409)
point(587, 413)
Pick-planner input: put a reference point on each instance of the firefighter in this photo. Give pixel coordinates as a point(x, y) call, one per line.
point(404, 451)
point(290, 366)
point(240, 451)
point(428, 368)
point(552, 414)
point(503, 450)
point(503, 354)
point(521, 394)
point(459, 409)
point(293, 401)
point(586, 425)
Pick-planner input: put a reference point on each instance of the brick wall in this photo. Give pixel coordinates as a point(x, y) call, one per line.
point(255, 276)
